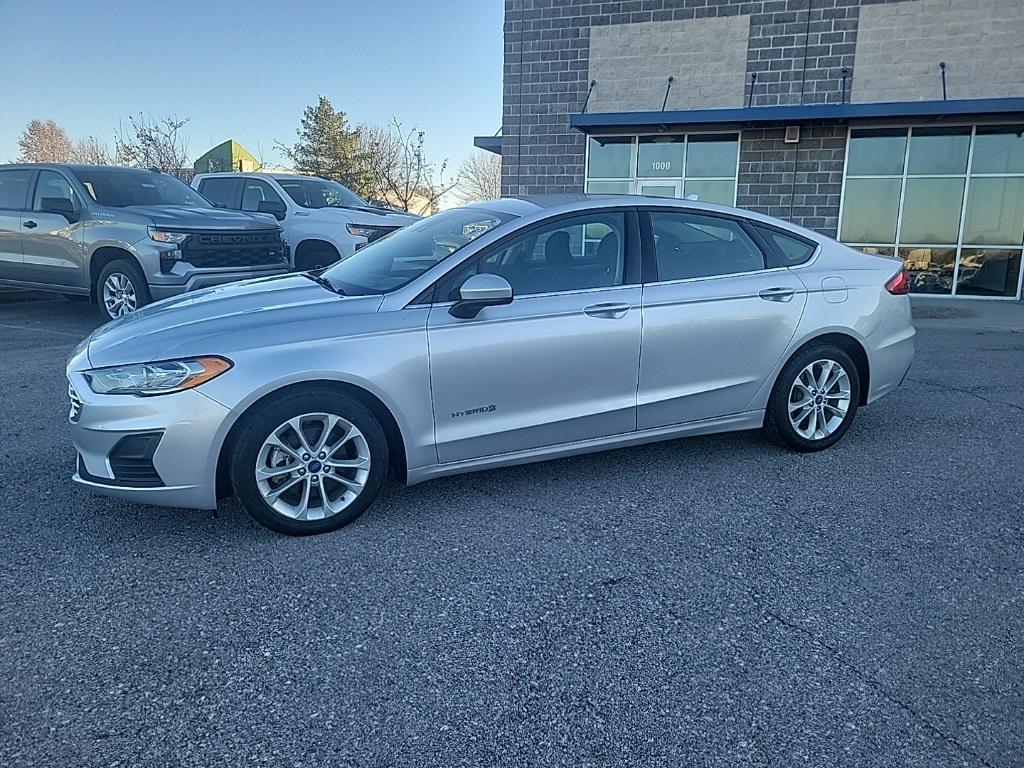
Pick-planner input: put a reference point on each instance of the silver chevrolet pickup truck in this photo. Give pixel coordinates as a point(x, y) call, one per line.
point(123, 237)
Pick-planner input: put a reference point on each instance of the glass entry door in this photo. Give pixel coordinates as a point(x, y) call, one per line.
point(659, 187)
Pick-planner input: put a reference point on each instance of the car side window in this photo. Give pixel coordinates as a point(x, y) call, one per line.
point(221, 192)
point(567, 255)
point(14, 188)
point(256, 191)
point(52, 184)
point(793, 249)
point(689, 245)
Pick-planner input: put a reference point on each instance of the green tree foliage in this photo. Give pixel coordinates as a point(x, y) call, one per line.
point(328, 147)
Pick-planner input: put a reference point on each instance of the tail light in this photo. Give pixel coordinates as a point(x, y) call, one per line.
point(899, 284)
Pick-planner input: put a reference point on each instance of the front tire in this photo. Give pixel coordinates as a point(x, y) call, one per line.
point(309, 462)
point(814, 399)
point(316, 260)
point(121, 288)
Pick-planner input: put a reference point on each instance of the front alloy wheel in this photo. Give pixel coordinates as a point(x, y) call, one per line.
point(313, 466)
point(308, 461)
point(119, 297)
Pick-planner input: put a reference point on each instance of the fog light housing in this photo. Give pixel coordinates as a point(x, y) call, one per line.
point(168, 259)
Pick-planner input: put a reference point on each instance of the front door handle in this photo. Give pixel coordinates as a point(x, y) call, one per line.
point(29, 224)
point(609, 310)
point(776, 294)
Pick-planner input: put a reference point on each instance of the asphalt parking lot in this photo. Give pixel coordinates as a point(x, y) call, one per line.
point(706, 602)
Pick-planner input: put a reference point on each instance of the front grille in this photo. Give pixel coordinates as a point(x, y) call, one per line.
point(76, 404)
point(226, 250)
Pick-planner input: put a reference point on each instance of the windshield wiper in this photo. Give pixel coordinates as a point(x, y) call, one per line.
point(323, 282)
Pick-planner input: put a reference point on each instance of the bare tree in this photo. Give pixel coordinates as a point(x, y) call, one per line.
point(152, 142)
point(480, 177)
point(400, 174)
point(43, 141)
point(91, 151)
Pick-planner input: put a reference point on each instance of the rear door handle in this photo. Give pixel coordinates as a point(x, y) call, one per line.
point(609, 310)
point(29, 224)
point(776, 294)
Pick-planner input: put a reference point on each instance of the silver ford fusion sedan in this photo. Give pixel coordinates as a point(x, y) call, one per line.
point(498, 333)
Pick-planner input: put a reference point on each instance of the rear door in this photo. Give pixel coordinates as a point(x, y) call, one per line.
point(51, 243)
point(14, 189)
point(716, 318)
point(558, 364)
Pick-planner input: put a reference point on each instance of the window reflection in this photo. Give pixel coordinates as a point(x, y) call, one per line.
point(711, 190)
point(711, 156)
point(870, 208)
point(931, 269)
point(988, 272)
point(998, 149)
point(931, 210)
point(995, 212)
point(610, 157)
point(876, 153)
point(938, 150)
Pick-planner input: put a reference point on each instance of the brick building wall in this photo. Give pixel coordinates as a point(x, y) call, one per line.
point(798, 50)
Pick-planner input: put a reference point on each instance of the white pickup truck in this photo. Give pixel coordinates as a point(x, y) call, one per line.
point(323, 221)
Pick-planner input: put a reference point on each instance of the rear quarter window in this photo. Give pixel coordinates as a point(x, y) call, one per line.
point(793, 250)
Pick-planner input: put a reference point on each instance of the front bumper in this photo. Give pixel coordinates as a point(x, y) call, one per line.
point(190, 429)
point(184, 278)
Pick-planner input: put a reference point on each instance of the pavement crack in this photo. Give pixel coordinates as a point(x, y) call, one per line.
point(970, 392)
point(761, 603)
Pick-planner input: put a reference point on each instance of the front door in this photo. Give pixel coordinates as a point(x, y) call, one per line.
point(14, 187)
point(558, 364)
point(715, 320)
point(52, 245)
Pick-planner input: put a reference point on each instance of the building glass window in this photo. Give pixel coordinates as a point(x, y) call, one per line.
point(949, 201)
point(666, 165)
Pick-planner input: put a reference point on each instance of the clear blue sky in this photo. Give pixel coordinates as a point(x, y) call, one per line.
point(246, 70)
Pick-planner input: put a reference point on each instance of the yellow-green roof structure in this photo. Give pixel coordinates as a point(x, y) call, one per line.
point(227, 156)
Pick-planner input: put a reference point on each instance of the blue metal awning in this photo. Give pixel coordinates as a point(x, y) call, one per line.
point(490, 143)
point(588, 122)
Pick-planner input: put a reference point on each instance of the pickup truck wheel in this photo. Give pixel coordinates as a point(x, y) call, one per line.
point(315, 260)
point(121, 288)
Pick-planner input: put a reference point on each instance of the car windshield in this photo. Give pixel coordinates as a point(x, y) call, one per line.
point(396, 260)
point(121, 187)
point(321, 193)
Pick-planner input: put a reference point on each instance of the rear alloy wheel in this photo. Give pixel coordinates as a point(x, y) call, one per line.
point(309, 464)
point(814, 399)
point(121, 289)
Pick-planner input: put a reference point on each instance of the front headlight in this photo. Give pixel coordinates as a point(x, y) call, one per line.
point(162, 236)
point(159, 378)
point(369, 233)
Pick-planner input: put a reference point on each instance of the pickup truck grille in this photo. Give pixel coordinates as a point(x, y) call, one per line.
point(209, 250)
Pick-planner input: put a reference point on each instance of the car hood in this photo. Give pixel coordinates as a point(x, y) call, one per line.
point(369, 216)
point(252, 312)
point(203, 218)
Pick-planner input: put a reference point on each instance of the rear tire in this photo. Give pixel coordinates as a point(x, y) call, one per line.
point(309, 462)
point(121, 288)
point(814, 400)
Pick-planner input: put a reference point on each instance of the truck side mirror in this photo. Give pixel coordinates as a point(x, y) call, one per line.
point(59, 205)
point(275, 207)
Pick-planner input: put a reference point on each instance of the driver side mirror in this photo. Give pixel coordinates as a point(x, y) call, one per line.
point(275, 207)
point(479, 291)
point(59, 205)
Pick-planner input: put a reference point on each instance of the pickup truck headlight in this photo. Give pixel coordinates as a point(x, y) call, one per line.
point(159, 378)
point(163, 236)
point(370, 233)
